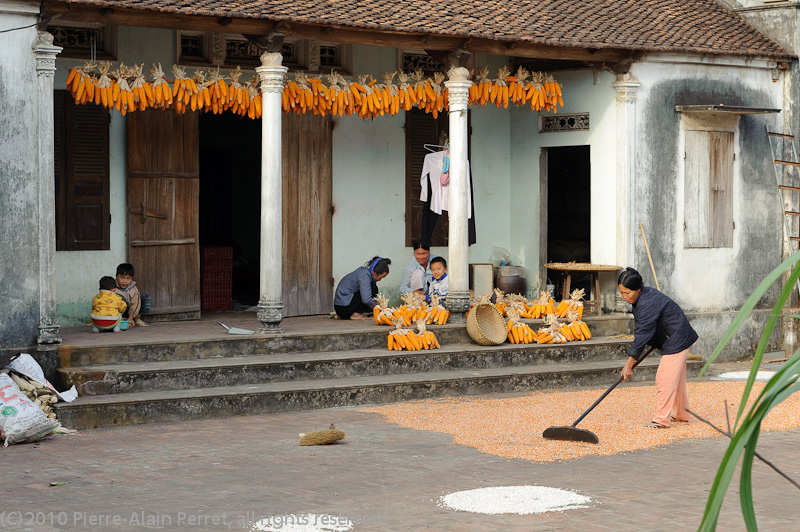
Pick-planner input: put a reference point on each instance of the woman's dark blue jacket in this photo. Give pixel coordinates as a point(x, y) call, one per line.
point(660, 323)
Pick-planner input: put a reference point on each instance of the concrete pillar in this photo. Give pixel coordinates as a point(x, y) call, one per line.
point(45, 53)
point(458, 253)
point(270, 304)
point(626, 86)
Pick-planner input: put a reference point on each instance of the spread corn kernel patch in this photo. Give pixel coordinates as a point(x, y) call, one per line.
point(512, 427)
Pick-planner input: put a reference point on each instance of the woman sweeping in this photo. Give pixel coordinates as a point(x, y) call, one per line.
point(660, 323)
point(355, 293)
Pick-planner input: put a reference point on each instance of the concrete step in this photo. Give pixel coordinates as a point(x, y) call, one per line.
point(184, 374)
point(199, 403)
point(127, 351)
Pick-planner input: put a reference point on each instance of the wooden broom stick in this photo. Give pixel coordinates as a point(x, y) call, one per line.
point(649, 257)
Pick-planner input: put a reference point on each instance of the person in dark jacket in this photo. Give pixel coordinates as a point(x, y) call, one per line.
point(660, 323)
point(355, 292)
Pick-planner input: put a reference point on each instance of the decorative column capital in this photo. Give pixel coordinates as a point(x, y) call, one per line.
point(271, 72)
point(626, 86)
point(458, 86)
point(45, 52)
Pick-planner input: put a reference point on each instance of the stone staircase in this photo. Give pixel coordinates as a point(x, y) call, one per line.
point(131, 383)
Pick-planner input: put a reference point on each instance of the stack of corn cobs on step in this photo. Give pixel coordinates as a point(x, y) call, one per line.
point(413, 309)
point(515, 307)
point(409, 340)
point(126, 89)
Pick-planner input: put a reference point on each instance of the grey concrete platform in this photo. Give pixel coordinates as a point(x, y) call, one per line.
point(224, 474)
point(195, 370)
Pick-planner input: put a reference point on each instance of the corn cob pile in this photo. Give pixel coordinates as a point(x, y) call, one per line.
point(519, 333)
point(540, 307)
point(40, 395)
point(573, 303)
point(125, 89)
point(407, 339)
point(412, 310)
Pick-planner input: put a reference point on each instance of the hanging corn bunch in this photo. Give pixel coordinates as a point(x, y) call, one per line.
point(103, 86)
point(364, 97)
point(161, 89)
point(80, 83)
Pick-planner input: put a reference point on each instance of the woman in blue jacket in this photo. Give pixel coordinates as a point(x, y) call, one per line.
point(355, 293)
point(660, 323)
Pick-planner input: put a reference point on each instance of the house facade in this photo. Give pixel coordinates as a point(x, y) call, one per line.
point(661, 132)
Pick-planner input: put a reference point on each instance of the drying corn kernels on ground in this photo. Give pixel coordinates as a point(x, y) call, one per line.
point(512, 427)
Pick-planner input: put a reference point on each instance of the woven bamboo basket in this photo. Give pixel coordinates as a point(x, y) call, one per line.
point(486, 325)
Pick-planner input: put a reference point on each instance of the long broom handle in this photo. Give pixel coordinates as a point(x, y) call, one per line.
point(647, 247)
point(612, 387)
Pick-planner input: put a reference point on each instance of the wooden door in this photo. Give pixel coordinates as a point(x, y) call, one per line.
point(162, 211)
point(307, 215)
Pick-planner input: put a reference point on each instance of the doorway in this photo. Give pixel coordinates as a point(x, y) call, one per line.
point(230, 207)
point(230, 202)
point(568, 209)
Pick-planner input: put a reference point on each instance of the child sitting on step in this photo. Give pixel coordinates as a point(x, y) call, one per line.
point(107, 307)
point(126, 287)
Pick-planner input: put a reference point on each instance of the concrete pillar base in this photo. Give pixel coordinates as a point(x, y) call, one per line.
point(458, 305)
point(270, 314)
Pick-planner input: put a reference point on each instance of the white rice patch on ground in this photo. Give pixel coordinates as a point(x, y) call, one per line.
point(303, 523)
point(762, 376)
point(522, 500)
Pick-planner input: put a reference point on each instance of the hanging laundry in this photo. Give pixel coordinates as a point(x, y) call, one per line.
point(435, 193)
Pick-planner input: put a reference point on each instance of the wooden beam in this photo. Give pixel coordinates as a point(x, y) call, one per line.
point(327, 33)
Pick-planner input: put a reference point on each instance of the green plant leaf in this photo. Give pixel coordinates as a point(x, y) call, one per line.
point(749, 305)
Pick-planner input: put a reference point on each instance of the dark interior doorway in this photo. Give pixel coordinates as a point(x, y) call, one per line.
point(568, 209)
point(230, 198)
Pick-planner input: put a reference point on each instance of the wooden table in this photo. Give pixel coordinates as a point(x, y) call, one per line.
point(583, 268)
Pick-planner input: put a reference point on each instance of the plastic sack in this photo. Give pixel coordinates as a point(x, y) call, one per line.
point(500, 256)
point(27, 365)
point(20, 419)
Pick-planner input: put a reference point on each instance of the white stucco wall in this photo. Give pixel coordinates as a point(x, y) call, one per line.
point(19, 176)
point(369, 182)
point(78, 272)
point(369, 173)
point(707, 278)
point(580, 95)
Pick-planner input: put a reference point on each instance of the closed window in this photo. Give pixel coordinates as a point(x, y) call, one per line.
point(708, 189)
point(81, 169)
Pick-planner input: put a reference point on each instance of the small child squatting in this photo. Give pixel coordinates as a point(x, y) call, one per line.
point(107, 307)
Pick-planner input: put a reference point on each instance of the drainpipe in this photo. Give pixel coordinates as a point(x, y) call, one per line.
point(45, 53)
point(626, 86)
point(458, 264)
point(270, 304)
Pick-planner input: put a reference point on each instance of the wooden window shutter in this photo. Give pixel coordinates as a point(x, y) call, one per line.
point(82, 175)
point(708, 189)
point(720, 195)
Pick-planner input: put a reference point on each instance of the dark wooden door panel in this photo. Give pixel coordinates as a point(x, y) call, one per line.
point(162, 218)
point(307, 215)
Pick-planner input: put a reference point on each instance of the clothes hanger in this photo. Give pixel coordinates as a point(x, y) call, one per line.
point(430, 147)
